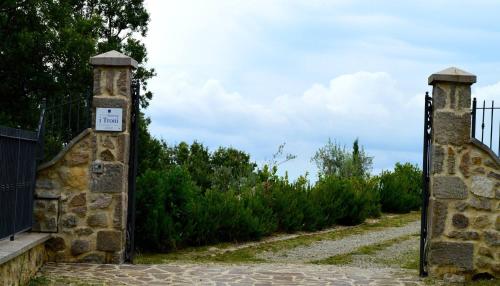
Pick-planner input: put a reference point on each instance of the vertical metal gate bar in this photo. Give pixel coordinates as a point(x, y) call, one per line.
point(133, 157)
point(425, 183)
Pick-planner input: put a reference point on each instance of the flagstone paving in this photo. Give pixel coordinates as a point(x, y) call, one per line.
point(224, 274)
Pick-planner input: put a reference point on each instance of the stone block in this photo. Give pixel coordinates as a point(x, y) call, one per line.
point(118, 215)
point(483, 186)
point(451, 161)
point(492, 238)
point(480, 203)
point(110, 180)
point(438, 98)
point(481, 221)
point(77, 158)
point(79, 211)
point(460, 221)
point(78, 200)
point(464, 235)
point(497, 223)
point(101, 201)
point(494, 175)
point(437, 159)
point(451, 129)
point(457, 254)
point(74, 177)
point(449, 187)
point(80, 246)
point(56, 244)
point(438, 217)
point(84, 231)
point(461, 206)
point(45, 215)
point(485, 252)
point(108, 240)
point(465, 164)
point(69, 221)
point(98, 220)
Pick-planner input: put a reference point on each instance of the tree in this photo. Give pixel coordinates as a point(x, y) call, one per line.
point(335, 160)
point(45, 46)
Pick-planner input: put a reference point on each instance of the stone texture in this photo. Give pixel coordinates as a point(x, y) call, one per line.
point(20, 269)
point(80, 211)
point(464, 235)
point(98, 220)
point(485, 252)
point(449, 187)
point(440, 210)
point(79, 246)
point(483, 186)
point(92, 258)
point(481, 221)
point(461, 206)
point(56, 244)
point(465, 164)
point(109, 240)
point(77, 158)
point(78, 200)
point(497, 223)
point(101, 201)
point(492, 238)
point(110, 181)
point(438, 98)
point(451, 161)
point(460, 221)
point(480, 203)
point(452, 129)
point(84, 231)
point(437, 159)
point(69, 221)
point(458, 254)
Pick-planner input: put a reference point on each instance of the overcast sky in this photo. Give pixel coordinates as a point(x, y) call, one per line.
point(255, 74)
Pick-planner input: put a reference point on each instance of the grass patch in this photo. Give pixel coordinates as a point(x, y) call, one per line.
point(52, 281)
point(248, 254)
point(343, 259)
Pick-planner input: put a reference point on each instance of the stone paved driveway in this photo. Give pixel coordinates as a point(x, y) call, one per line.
point(223, 274)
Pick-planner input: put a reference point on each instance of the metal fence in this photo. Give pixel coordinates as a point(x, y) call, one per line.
point(489, 124)
point(18, 157)
point(65, 119)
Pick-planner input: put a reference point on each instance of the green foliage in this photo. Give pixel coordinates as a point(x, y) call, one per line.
point(401, 190)
point(163, 198)
point(45, 48)
point(335, 160)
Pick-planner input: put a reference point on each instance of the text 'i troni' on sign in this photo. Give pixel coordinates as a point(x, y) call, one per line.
point(108, 119)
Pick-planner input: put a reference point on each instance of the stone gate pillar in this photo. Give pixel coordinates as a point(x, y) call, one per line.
point(81, 194)
point(111, 111)
point(463, 207)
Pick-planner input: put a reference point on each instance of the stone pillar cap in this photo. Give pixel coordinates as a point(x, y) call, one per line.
point(113, 58)
point(452, 74)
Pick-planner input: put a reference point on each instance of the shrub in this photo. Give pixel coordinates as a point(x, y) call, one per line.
point(401, 190)
point(162, 200)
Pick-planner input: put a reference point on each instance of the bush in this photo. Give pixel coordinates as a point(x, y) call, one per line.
point(401, 190)
point(162, 201)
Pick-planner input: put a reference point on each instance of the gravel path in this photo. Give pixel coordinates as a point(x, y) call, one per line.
point(393, 256)
point(327, 248)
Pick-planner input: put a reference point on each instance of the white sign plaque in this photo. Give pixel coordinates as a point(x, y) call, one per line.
point(108, 119)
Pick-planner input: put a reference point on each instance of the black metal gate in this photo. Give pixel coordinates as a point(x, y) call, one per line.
point(425, 184)
point(492, 128)
point(132, 172)
point(19, 151)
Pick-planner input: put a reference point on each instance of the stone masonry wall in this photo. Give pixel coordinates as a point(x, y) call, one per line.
point(464, 209)
point(82, 193)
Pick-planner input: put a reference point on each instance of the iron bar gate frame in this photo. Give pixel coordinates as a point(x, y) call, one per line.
point(426, 160)
point(483, 125)
point(132, 172)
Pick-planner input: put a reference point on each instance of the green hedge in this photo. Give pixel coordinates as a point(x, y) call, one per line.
point(172, 212)
point(401, 189)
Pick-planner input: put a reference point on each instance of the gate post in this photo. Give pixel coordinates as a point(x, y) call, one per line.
point(451, 126)
point(111, 122)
